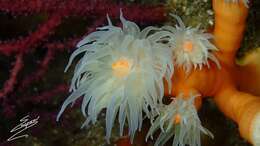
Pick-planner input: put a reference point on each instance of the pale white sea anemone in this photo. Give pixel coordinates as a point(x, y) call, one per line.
point(191, 47)
point(122, 71)
point(179, 119)
point(246, 2)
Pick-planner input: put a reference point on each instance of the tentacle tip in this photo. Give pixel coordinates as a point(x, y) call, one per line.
point(108, 140)
point(58, 118)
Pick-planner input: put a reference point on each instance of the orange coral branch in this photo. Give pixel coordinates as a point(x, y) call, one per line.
point(242, 108)
point(205, 81)
point(230, 21)
point(248, 76)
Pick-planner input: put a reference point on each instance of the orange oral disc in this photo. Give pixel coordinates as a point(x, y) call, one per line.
point(188, 46)
point(177, 119)
point(121, 67)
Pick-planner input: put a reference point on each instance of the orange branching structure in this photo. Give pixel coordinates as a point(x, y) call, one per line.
point(249, 79)
point(221, 84)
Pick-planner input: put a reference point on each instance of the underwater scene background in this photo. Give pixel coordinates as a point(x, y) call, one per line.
point(37, 38)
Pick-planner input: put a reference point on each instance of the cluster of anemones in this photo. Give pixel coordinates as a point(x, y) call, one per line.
point(123, 70)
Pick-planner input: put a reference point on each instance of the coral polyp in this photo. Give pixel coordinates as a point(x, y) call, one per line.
point(121, 71)
point(191, 47)
point(180, 120)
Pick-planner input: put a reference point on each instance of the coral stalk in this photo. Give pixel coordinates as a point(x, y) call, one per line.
point(230, 21)
point(248, 76)
point(23, 45)
point(9, 84)
point(242, 108)
point(205, 81)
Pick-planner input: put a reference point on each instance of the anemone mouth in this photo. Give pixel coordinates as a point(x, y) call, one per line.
point(121, 67)
point(179, 119)
point(188, 46)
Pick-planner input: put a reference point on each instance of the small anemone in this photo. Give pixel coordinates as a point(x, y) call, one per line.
point(122, 71)
point(246, 2)
point(179, 119)
point(190, 46)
